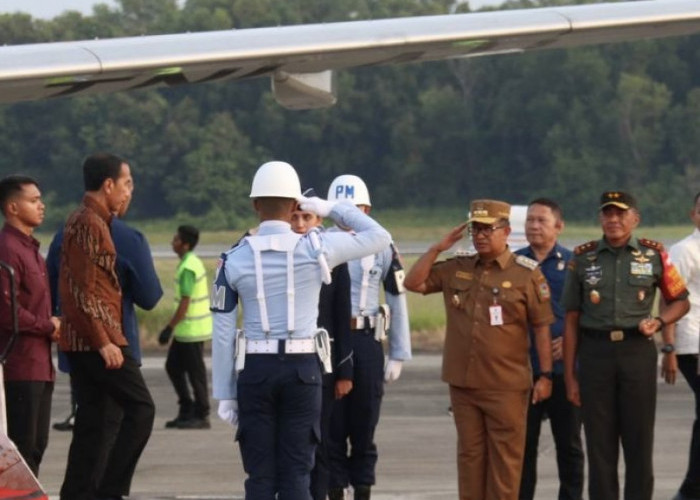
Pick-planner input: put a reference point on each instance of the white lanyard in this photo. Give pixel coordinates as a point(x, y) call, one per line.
point(366, 263)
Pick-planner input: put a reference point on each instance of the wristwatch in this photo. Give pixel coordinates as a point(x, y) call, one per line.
point(548, 375)
point(668, 348)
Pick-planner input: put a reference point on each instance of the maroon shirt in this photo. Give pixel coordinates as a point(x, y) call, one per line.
point(30, 358)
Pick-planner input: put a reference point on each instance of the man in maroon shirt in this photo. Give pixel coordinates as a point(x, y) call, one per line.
point(29, 371)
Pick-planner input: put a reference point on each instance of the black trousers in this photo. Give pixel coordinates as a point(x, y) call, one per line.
point(98, 390)
point(618, 404)
point(28, 418)
point(355, 417)
point(565, 420)
point(186, 361)
point(320, 475)
point(688, 365)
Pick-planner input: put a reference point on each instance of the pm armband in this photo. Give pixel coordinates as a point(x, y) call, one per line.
point(393, 283)
point(223, 297)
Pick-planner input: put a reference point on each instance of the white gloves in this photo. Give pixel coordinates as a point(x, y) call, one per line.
point(228, 411)
point(392, 370)
point(316, 205)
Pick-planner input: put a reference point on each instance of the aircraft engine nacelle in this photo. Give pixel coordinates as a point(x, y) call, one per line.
point(304, 90)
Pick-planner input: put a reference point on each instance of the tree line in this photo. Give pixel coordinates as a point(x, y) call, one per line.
point(566, 124)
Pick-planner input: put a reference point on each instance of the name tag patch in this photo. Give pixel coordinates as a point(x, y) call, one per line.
point(641, 268)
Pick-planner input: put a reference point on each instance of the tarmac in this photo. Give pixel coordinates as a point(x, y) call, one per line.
point(415, 437)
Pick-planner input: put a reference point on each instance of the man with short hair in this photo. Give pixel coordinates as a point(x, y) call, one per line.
point(191, 326)
point(491, 298)
point(93, 338)
point(29, 372)
point(268, 375)
point(543, 225)
point(609, 353)
point(334, 312)
point(681, 344)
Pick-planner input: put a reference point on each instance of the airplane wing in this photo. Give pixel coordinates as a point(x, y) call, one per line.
point(300, 59)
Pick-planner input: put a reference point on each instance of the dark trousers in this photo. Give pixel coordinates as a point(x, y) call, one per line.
point(279, 407)
point(98, 389)
point(28, 418)
point(618, 404)
point(320, 475)
point(688, 365)
point(355, 417)
point(186, 361)
point(565, 420)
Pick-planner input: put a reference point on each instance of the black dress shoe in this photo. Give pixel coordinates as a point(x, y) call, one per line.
point(66, 425)
point(194, 423)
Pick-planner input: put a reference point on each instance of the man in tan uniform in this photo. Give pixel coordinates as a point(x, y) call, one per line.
point(491, 298)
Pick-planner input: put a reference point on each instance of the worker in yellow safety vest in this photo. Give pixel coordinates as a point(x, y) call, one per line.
point(190, 327)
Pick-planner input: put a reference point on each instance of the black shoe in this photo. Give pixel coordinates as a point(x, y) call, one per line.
point(194, 423)
point(362, 492)
point(66, 425)
point(336, 494)
point(174, 423)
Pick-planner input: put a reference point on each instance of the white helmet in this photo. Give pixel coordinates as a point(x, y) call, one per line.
point(349, 187)
point(276, 179)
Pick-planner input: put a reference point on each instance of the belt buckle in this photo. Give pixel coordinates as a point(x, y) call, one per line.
point(617, 335)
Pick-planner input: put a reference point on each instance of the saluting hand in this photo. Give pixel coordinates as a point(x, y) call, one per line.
point(451, 238)
point(112, 356)
point(316, 205)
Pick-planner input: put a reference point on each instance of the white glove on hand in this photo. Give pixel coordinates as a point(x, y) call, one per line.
point(316, 205)
point(228, 411)
point(392, 371)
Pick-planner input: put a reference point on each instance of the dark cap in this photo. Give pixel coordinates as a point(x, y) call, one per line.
point(488, 211)
point(620, 199)
point(309, 192)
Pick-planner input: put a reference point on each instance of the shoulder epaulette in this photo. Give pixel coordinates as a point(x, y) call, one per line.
point(586, 247)
point(526, 262)
point(656, 245)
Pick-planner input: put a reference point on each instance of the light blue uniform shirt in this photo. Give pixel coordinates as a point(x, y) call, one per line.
point(236, 280)
point(399, 331)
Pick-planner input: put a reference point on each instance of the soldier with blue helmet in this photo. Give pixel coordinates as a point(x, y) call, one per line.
point(267, 376)
point(356, 416)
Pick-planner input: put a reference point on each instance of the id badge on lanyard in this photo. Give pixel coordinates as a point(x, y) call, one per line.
point(495, 310)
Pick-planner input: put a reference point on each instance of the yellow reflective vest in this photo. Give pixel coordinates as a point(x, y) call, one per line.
point(197, 325)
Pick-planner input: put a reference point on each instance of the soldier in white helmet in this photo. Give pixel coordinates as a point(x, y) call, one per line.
point(352, 451)
point(267, 376)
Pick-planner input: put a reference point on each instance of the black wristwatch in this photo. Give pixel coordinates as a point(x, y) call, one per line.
point(548, 375)
point(668, 348)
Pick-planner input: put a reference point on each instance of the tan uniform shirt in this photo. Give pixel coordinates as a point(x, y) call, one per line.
point(478, 354)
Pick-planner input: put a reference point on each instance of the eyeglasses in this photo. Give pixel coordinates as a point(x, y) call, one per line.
point(483, 229)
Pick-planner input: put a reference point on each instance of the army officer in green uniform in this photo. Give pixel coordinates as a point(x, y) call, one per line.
point(608, 297)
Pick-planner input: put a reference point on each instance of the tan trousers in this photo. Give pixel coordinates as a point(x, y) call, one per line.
point(490, 442)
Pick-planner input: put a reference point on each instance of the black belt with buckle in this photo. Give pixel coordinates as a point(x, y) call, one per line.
point(613, 335)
